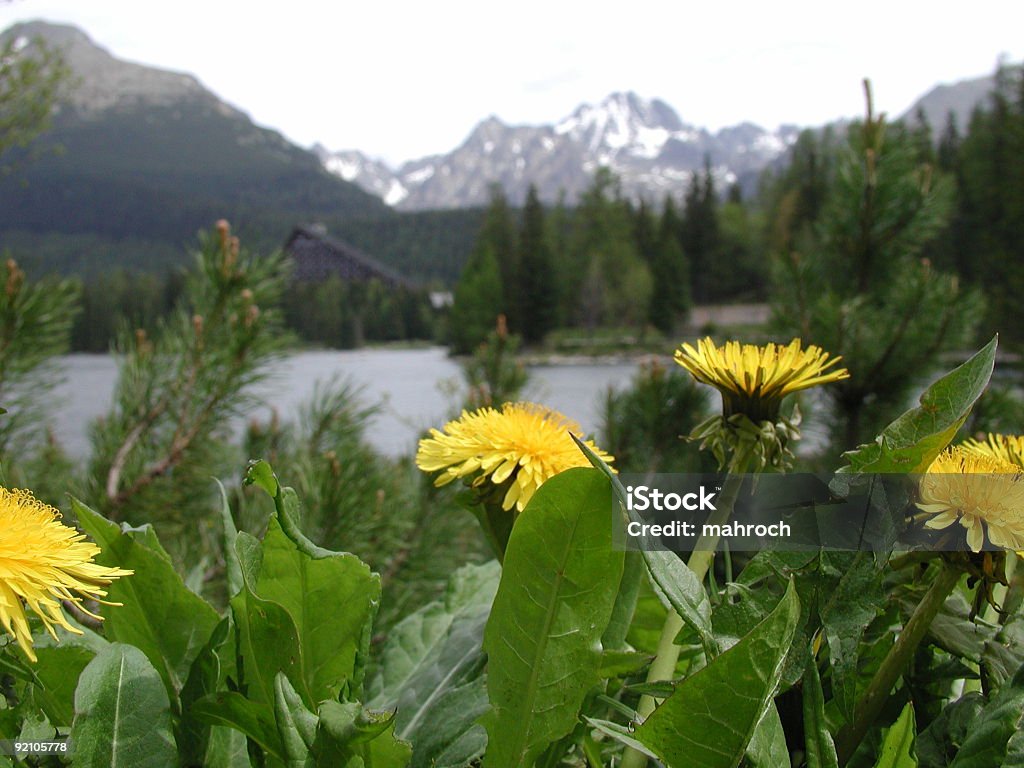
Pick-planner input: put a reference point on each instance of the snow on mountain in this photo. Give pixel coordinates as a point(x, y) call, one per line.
point(644, 142)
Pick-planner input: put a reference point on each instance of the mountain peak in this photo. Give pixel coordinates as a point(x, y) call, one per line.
point(102, 81)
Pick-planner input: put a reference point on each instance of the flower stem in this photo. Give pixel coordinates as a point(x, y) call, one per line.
point(877, 693)
point(664, 665)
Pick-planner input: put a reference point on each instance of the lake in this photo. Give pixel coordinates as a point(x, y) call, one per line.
point(411, 385)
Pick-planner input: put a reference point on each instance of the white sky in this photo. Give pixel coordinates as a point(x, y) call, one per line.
point(399, 80)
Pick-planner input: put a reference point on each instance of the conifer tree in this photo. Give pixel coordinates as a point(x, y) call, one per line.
point(498, 234)
point(699, 232)
point(865, 287)
point(538, 294)
point(477, 300)
point(670, 273)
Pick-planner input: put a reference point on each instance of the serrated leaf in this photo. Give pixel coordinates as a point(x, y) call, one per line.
point(350, 737)
point(432, 664)
point(331, 599)
point(710, 718)
point(55, 676)
point(230, 534)
point(557, 591)
point(157, 613)
point(849, 607)
point(767, 747)
point(990, 739)
point(233, 710)
point(912, 442)
point(819, 747)
point(122, 713)
point(898, 746)
point(296, 725)
point(673, 580)
point(938, 744)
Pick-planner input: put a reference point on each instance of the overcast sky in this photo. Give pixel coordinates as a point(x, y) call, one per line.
point(399, 80)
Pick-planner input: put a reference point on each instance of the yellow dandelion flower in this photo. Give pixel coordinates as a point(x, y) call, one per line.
point(753, 380)
point(983, 492)
point(523, 441)
point(1008, 448)
point(42, 562)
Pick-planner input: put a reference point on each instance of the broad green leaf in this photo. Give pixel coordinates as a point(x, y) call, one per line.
point(350, 737)
point(710, 718)
point(991, 737)
point(122, 713)
point(227, 748)
point(296, 725)
point(55, 677)
point(938, 744)
point(332, 599)
point(231, 563)
point(204, 677)
point(557, 591)
point(912, 442)
point(431, 670)
point(414, 644)
point(625, 603)
point(819, 747)
point(158, 614)
point(898, 746)
point(767, 747)
point(268, 643)
point(233, 710)
point(674, 582)
point(846, 611)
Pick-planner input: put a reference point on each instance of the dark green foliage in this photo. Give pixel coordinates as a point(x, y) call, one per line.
point(493, 374)
point(670, 273)
point(32, 75)
point(861, 284)
point(477, 301)
point(179, 388)
point(987, 233)
point(537, 292)
point(699, 233)
point(644, 427)
point(35, 326)
point(344, 315)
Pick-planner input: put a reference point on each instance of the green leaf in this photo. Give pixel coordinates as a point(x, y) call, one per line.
point(674, 582)
point(431, 671)
point(204, 677)
point(332, 599)
point(710, 719)
point(991, 737)
point(819, 746)
point(938, 744)
point(268, 643)
point(625, 603)
point(898, 746)
point(848, 608)
point(232, 565)
point(233, 710)
point(122, 713)
point(912, 442)
point(158, 614)
point(557, 591)
point(767, 747)
point(55, 677)
point(350, 737)
point(296, 725)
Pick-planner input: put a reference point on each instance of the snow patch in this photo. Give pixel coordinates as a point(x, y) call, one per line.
point(421, 175)
point(396, 193)
point(340, 166)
